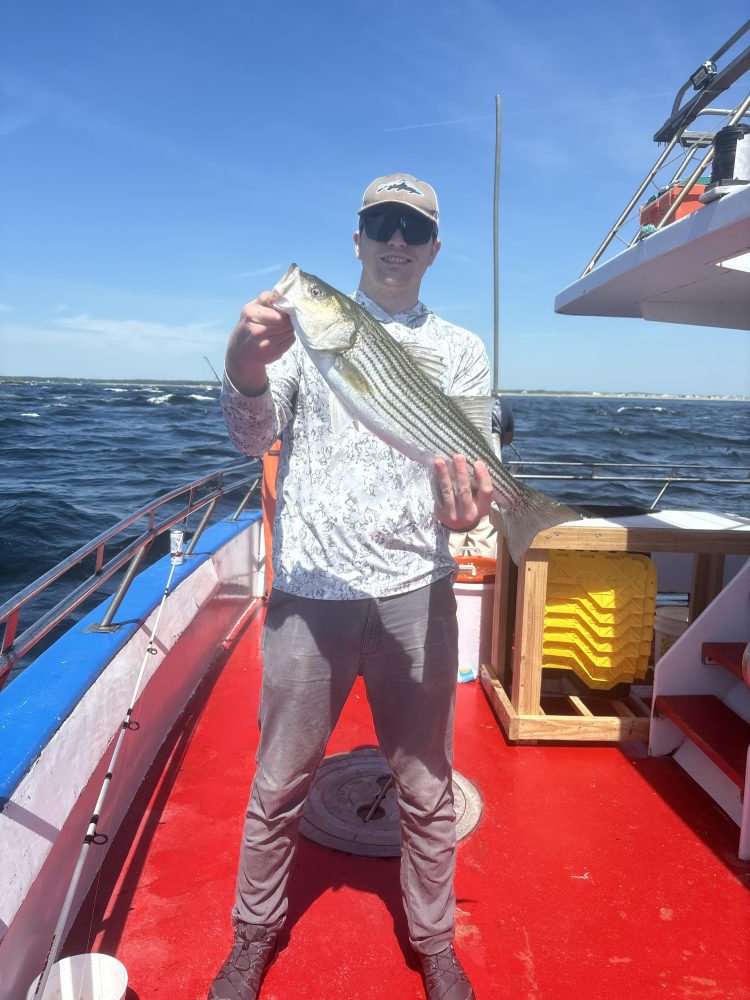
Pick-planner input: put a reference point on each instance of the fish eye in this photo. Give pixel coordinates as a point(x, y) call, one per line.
point(316, 291)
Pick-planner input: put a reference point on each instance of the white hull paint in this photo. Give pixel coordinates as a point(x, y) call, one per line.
point(44, 820)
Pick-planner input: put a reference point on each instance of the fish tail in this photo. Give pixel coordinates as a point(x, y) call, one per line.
point(531, 513)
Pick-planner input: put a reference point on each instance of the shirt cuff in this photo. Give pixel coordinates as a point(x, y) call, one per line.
point(246, 412)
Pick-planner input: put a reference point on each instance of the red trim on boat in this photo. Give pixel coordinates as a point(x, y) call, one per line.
point(725, 654)
point(719, 732)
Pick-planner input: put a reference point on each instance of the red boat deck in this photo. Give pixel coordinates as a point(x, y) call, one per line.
point(595, 872)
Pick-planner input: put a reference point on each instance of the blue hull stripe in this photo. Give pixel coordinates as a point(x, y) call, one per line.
point(35, 704)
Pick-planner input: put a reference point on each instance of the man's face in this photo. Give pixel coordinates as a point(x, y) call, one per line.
point(394, 263)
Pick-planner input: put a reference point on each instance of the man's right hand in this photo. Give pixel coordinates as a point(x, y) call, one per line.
point(262, 335)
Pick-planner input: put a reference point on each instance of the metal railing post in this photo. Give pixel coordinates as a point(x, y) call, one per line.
point(132, 569)
point(245, 499)
point(739, 113)
point(631, 204)
point(199, 530)
point(9, 637)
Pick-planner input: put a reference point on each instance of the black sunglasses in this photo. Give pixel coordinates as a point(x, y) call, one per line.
point(415, 229)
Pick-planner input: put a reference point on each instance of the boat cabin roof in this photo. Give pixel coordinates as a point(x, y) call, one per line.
point(694, 271)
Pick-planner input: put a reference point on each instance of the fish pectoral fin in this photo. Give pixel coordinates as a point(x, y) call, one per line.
point(341, 418)
point(477, 409)
point(429, 362)
point(353, 377)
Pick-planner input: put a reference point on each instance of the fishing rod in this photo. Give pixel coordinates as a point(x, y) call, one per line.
point(176, 537)
point(212, 369)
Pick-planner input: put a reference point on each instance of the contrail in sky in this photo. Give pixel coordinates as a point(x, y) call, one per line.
point(451, 121)
point(261, 270)
point(566, 106)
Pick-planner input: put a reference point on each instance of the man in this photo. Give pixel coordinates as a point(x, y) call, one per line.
point(362, 585)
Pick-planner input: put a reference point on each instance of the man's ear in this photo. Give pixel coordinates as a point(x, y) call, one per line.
point(355, 234)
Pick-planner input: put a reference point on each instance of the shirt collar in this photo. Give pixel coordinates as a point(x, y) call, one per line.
point(410, 317)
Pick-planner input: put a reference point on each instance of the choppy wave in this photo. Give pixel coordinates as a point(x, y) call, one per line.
point(640, 409)
point(180, 399)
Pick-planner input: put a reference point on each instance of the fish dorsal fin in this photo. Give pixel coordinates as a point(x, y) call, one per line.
point(430, 363)
point(477, 409)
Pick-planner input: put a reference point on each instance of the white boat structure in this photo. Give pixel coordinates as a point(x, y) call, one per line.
point(694, 269)
point(147, 662)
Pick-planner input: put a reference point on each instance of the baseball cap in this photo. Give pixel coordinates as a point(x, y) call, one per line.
point(401, 189)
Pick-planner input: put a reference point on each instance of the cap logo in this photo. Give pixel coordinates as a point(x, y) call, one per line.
point(400, 185)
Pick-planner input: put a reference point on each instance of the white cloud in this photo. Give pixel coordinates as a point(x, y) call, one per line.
point(85, 346)
point(140, 334)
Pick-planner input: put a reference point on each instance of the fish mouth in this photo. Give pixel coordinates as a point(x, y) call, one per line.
point(286, 281)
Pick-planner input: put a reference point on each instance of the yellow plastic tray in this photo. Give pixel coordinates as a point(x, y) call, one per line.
point(599, 616)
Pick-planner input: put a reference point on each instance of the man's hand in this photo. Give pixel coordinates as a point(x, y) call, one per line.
point(262, 335)
point(459, 504)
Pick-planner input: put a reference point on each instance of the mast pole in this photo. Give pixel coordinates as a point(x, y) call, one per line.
point(496, 253)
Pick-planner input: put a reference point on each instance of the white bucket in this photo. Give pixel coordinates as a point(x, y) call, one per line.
point(669, 624)
point(474, 611)
point(84, 977)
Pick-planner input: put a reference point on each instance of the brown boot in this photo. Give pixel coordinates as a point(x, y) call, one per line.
point(444, 976)
point(240, 976)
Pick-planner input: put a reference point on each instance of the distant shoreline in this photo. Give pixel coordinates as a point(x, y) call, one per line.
point(519, 393)
point(624, 395)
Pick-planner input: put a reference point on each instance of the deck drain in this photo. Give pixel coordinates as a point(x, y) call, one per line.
point(345, 787)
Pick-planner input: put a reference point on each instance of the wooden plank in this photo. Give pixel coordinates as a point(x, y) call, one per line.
point(575, 729)
point(708, 580)
point(503, 613)
point(621, 709)
point(559, 728)
point(638, 538)
point(720, 733)
point(579, 705)
point(640, 705)
point(500, 703)
point(529, 633)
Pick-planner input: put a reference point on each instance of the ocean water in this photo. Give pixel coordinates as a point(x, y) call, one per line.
point(76, 457)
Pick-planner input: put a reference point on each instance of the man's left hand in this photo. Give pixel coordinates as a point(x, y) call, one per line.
point(460, 500)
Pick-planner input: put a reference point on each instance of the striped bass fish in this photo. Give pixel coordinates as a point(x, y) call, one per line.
point(391, 389)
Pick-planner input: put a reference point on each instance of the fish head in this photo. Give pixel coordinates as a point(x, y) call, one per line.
point(324, 318)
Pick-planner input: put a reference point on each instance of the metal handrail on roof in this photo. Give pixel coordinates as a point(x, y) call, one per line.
point(218, 484)
point(710, 82)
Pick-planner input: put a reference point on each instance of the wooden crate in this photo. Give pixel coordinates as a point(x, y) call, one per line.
point(512, 679)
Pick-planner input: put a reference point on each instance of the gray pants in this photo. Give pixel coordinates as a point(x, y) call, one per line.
point(405, 647)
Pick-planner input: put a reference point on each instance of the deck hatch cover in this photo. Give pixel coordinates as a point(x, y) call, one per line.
point(344, 787)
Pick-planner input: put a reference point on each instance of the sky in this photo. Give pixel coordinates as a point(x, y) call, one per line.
point(161, 163)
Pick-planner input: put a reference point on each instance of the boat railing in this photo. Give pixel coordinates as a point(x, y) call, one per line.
point(161, 515)
point(709, 82)
point(627, 472)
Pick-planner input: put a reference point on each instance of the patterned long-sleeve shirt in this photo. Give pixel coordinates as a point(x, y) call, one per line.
point(354, 517)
